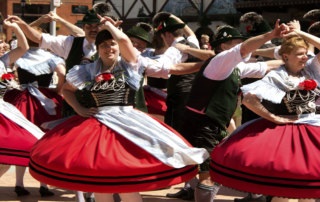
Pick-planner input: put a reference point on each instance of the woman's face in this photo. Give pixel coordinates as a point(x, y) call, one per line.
point(296, 60)
point(108, 51)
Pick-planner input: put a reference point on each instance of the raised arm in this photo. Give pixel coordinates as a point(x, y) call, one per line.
point(256, 42)
point(72, 29)
point(198, 53)
point(185, 68)
point(126, 48)
point(30, 33)
point(265, 52)
point(187, 30)
point(295, 29)
point(253, 103)
point(273, 64)
point(22, 41)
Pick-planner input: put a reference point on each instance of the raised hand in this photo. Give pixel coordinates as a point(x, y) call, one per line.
point(106, 19)
point(279, 29)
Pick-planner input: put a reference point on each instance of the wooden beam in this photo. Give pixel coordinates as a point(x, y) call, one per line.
point(207, 9)
point(114, 8)
point(131, 7)
point(194, 6)
point(165, 3)
point(145, 5)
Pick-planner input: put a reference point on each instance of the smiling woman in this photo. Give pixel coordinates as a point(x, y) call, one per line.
point(278, 154)
point(110, 147)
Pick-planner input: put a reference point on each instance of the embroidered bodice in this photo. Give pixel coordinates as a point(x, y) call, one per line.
point(115, 92)
point(295, 102)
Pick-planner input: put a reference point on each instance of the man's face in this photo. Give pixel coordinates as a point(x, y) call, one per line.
point(139, 44)
point(91, 31)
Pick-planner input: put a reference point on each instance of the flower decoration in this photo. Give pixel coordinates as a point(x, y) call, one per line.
point(159, 27)
point(249, 28)
point(7, 77)
point(308, 84)
point(104, 77)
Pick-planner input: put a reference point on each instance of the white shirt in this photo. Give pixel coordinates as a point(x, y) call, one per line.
point(159, 66)
point(221, 66)
point(61, 45)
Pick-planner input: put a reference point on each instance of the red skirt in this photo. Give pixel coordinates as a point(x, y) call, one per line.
point(84, 154)
point(31, 107)
point(156, 104)
point(270, 159)
point(15, 143)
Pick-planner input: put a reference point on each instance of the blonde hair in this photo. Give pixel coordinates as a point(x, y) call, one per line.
point(205, 36)
point(291, 43)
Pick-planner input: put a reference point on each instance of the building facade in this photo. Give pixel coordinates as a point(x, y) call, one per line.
point(30, 10)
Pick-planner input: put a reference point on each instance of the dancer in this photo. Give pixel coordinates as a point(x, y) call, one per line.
point(38, 99)
point(18, 135)
point(111, 147)
point(288, 130)
point(214, 93)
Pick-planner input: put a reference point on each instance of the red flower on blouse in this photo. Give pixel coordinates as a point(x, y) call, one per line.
point(308, 84)
point(104, 77)
point(8, 76)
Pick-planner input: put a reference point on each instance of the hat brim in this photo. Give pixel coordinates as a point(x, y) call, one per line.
point(138, 37)
point(90, 22)
point(218, 42)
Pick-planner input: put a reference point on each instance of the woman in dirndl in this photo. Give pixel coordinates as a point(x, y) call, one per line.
point(110, 147)
point(278, 154)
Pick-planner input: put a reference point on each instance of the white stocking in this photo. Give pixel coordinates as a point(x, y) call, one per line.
point(20, 170)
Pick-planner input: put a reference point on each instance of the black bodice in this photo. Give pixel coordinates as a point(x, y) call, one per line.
point(295, 102)
point(106, 93)
point(26, 77)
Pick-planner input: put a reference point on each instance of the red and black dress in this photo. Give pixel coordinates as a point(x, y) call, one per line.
point(278, 160)
point(37, 102)
point(120, 149)
point(17, 135)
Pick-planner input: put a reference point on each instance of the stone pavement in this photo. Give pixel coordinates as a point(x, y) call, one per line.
point(7, 183)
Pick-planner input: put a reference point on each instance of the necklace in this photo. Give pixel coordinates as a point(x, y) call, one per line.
point(107, 69)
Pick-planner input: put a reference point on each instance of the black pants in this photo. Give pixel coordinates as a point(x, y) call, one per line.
point(202, 131)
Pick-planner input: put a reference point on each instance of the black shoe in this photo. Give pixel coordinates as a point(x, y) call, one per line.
point(45, 192)
point(21, 191)
point(250, 199)
point(185, 194)
point(90, 200)
point(189, 195)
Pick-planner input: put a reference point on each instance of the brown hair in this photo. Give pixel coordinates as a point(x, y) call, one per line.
point(291, 43)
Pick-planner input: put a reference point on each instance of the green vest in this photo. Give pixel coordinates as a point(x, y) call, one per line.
point(217, 98)
point(140, 101)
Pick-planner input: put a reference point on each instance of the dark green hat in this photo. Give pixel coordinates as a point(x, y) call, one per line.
point(90, 17)
point(169, 24)
point(139, 32)
point(226, 34)
point(259, 28)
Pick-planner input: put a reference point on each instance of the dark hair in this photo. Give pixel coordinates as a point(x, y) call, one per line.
point(157, 41)
point(102, 36)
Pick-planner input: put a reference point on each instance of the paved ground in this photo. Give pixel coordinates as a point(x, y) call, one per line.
point(7, 183)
